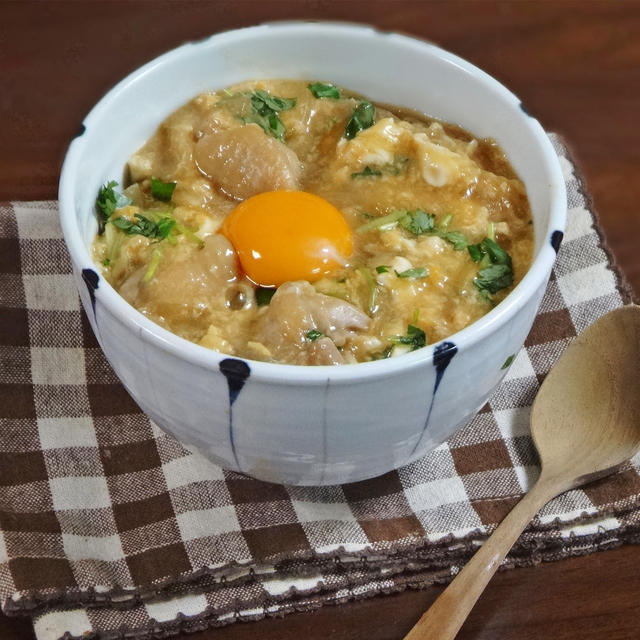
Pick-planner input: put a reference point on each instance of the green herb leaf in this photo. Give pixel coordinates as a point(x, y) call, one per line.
point(496, 269)
point(143, 226)
point(106, 262)
point(107, 202)
point(264, 295)
point(413, 274)
point(508, 361)
point(367, 172)
point(362, 118)
point(383, 268)
point(475, 251)
point(265, 112)
point(271, 124)
point(383, 221)
point(276, 126)
point(497, 254)
point(321, 90)
point(261, 99)
point(162, 190)
point(415, 338)
point(456, 238)
point(494, 277)
point(314, 334)
point(418, 222)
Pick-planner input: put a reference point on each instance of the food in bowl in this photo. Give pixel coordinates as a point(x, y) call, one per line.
point(298, 222)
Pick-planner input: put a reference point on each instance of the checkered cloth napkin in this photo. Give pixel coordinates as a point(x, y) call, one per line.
point(108, 525)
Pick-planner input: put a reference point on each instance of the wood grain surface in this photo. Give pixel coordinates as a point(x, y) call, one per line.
point(576, 67)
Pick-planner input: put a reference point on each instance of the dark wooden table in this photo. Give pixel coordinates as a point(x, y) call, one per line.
point(576, 65)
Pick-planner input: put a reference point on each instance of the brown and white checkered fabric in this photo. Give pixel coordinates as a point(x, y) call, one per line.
point(106, 523)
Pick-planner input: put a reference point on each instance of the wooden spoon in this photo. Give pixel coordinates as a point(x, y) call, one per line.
point(585, 423)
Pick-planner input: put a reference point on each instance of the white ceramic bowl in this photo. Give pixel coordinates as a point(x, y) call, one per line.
point(292, 424)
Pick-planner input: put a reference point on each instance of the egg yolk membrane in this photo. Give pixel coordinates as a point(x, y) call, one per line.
point(283, 236)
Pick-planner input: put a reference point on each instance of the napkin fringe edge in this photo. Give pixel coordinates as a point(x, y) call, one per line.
point(408, 579)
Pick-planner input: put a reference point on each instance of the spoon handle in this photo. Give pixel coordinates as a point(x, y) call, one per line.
point(447, 614)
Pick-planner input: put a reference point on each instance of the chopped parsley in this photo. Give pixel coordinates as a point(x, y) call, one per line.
point(497, 254)
point(415, 338)
point(476, 252)
point(367, 172)
point(418, 222)
point(413, 274)
point(265, 110)
point(264, 295)
point(314, 334)
point(322, 90)
point(106, 262)
point(508, 361)
point(362, 118)
point(494, 278)
point(261, 97)
point(107, 202)
point(143, 226)
point(383, 268)
point(456, 238)
point(162, 190)
point(496, 270)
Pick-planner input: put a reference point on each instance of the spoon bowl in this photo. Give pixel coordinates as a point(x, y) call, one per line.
point(585, 423)
point(585, 420)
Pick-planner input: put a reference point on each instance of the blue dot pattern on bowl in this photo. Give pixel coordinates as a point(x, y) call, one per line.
point(556, 239)
point(92, 280)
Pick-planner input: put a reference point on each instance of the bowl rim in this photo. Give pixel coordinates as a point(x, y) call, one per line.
point(278, 373)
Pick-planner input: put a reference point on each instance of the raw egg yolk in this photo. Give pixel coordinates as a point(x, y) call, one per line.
point(281, 236)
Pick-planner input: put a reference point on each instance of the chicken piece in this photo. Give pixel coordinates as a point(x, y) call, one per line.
point(187, 286)
point(295, 310)
point(167, 154)
point(246, 161)
point(323, 351)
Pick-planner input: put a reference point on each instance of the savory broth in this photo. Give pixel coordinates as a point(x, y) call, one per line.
point(376, 229)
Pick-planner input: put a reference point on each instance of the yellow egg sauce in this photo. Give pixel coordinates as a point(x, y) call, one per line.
point(297, 222)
